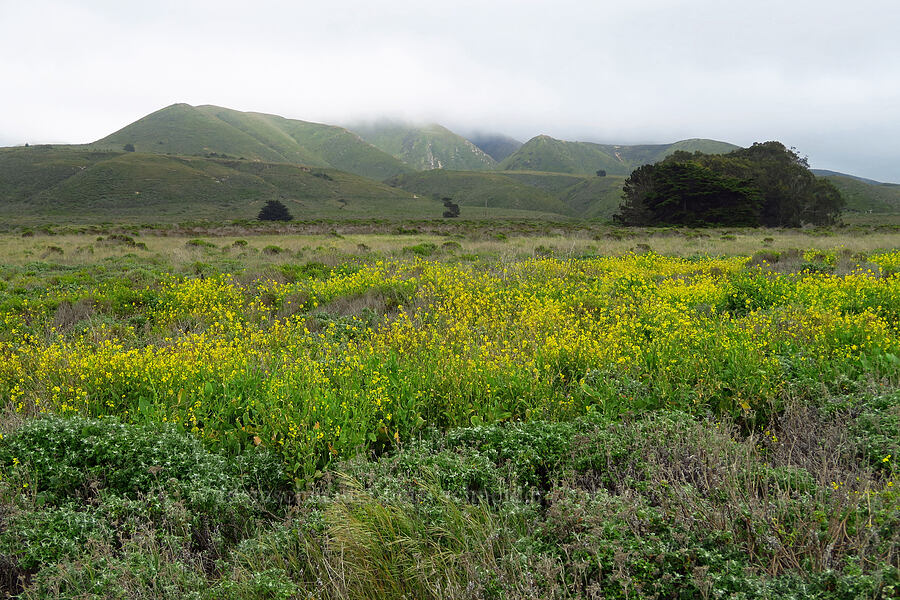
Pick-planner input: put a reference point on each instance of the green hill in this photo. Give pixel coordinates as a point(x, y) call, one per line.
point(544, 153)
point(827, 173)
point(425, 147)
point(479, 189)
point(496, 145)
point(577, 196)
point(54, 183)
point(211, 130)
point(595, 197)
point(867, 197)
point(554, 183)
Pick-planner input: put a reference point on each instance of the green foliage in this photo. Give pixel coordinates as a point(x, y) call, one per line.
point(198, 243)
point(80, 487)
point(546, 475)
point(68, 458)
point(673, 193)
point(51, 534)
point(792, 195)
point(423, 249)
point(765, 184)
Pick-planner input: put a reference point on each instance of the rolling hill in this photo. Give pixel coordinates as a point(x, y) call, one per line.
point(425, 147)
point(54, 183)
point(214, 131)
point(827, 173)
point(544, 153)
point(576, 196)
point(479, 189)
point(865, 197)
point(208, 162)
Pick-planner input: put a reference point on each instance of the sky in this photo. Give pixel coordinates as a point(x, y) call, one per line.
point(822, 76)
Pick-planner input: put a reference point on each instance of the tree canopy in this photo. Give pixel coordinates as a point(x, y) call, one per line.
point(274, 211)
point(765, 184)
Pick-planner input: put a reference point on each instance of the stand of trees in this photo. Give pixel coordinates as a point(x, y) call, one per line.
point(766, 184)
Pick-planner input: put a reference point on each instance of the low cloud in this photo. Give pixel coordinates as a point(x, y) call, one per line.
point(813, 74)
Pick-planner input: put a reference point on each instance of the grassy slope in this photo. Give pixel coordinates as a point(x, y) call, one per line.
point(569, 195)
point(544, 153)
point(25, 172)
point(827, 173)
point(553, 183)
point(426, 147)
point(77, 184)
point(474, 189)
point(187, 130)
point(595, 197)
point(865, 197)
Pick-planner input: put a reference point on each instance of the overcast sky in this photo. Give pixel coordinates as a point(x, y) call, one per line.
point(822, 75)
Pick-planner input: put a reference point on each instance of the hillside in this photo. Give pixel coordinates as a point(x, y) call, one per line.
point(544, 153)
point(425, 147)
point(578, 196)
point(482, 190)
point(51, 183)
point(496, 145)
point(211, 130)
point(827, 173)
point(867, 197)
point(595, 197)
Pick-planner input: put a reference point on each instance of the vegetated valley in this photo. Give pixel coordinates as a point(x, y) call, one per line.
point(519, 399)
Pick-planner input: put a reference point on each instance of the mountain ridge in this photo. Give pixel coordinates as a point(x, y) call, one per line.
point(546, 153)
point(215, 131)
point(425, 147)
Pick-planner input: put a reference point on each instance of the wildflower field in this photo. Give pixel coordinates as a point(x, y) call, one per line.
point(432, 420)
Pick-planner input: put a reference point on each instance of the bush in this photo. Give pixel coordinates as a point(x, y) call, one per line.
point(423, 249)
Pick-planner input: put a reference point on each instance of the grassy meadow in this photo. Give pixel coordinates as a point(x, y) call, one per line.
point(429, 409)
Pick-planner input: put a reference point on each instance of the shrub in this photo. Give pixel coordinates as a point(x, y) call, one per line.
point(423, 249)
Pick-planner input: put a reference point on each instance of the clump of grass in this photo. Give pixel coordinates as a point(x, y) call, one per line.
point(423, 249)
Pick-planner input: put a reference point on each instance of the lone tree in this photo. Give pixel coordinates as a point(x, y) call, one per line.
point(452, 208)
point(274, 211)
point(128, 148)
point(766, 184)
